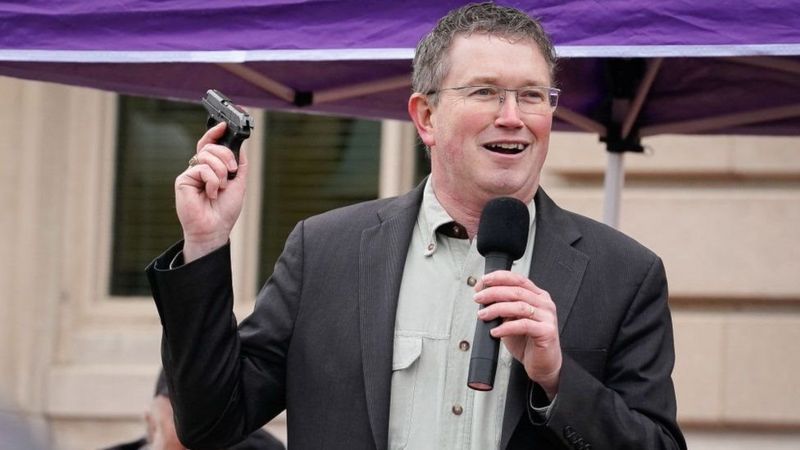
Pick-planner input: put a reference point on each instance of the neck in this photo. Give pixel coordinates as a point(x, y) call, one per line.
point(466, 213)
point(466, 210)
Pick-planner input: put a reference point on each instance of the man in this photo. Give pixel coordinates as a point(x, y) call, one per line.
point(363, 331)
point(161, 428)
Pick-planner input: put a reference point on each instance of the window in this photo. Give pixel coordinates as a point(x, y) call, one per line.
point(313, 164)
point(155, 139)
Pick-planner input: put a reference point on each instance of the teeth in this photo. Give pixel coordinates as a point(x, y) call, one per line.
point(507, 147)
point(510, 146)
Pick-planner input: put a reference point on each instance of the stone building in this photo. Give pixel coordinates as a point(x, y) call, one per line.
point(86, 183)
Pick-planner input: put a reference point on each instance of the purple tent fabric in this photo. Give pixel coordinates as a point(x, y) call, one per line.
point(734, 61)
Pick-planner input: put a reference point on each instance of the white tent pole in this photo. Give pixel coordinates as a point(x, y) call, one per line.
point(580, 121)
point(275, 88)
point(612, 188)
point(724, 121)
point(641, 94)
point(355, 90)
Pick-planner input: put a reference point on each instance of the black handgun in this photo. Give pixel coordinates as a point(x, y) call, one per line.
point(222, 109)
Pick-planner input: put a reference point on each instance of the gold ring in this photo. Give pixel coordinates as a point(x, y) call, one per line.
point(532, 314)
point(193, 161)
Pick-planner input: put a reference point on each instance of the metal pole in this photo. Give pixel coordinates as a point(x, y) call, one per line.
point(612, 189)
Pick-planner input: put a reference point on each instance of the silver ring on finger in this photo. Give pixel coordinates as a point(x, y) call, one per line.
point(532, 313)
point(193, 161)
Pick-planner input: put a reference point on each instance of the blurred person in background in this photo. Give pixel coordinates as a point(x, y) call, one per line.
point(15, 432)
point(161, 428)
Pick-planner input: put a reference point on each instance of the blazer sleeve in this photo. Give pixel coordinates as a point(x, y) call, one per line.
point(222, 387)
point(634, 406)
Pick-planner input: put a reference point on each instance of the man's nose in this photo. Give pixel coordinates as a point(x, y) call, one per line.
point(509, 114)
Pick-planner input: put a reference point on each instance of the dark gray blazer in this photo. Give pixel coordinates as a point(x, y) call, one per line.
point(319, 343)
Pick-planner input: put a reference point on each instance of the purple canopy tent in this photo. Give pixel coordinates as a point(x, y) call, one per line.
point(628, 69)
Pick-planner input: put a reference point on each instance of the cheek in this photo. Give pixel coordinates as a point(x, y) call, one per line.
point(540, 127)
point(459, 123)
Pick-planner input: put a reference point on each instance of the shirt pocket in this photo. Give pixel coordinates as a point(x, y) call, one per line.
point(407, 351)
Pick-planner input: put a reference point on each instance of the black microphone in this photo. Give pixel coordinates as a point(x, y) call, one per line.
point(502, 238)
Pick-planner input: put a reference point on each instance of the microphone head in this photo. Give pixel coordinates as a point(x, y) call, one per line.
point(504, 227)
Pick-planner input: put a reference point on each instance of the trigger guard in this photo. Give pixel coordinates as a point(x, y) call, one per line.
point(211, 122)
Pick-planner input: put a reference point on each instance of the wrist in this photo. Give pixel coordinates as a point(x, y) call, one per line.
point(549, 384)
point(197, 248)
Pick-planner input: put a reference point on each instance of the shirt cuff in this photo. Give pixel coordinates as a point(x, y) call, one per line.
point(540, 413)
point(177, 260)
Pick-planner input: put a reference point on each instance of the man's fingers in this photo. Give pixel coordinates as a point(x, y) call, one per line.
point(202, 178)
point(515, 294)
point(506, 278)
point(514, 311)
point(224, 154)
point(530, 328)
point(211, 136)
point(243, 157)
point(216, 164)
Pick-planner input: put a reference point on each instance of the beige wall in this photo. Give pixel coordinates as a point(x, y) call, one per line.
point(722, 211)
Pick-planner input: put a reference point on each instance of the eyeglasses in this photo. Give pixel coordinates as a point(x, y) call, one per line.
point(530, 100)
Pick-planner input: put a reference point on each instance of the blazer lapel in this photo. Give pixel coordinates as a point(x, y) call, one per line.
point(382, 259)
point(558, 268)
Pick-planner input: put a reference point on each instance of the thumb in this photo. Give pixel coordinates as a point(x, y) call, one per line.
point(241, 170)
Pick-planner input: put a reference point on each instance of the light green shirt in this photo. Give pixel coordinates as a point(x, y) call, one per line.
point(431, 405)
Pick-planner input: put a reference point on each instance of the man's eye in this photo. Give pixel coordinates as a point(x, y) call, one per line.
point(532, 95)
point(484, 92)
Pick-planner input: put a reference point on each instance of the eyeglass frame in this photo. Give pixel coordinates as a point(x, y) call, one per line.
point(552, 93)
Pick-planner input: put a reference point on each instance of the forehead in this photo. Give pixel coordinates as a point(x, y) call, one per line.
point(484, 58)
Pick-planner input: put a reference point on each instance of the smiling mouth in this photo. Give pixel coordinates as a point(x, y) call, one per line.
point(506, 149)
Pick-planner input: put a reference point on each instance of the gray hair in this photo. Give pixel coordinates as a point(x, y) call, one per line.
point(430, 59)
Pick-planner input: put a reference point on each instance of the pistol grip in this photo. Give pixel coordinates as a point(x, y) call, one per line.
point(230, 139)
point(234, 142)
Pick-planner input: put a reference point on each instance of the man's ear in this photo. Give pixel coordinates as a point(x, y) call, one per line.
point(421, 113)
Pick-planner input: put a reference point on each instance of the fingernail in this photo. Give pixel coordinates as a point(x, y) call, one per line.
point(232, 165)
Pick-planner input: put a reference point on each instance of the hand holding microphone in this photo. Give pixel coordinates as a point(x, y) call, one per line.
point(502, 237)
point(513, 307)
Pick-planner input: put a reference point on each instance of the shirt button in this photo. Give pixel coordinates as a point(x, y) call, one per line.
point(463, 345)
point(457, 409)
point(431, 247)
point(471, 281)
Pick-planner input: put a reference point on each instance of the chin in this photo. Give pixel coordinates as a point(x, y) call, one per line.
point(511, 184)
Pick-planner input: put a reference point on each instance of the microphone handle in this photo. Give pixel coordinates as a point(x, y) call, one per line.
point(485, 348)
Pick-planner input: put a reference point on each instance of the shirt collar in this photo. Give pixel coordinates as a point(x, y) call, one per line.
point(432, 215)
